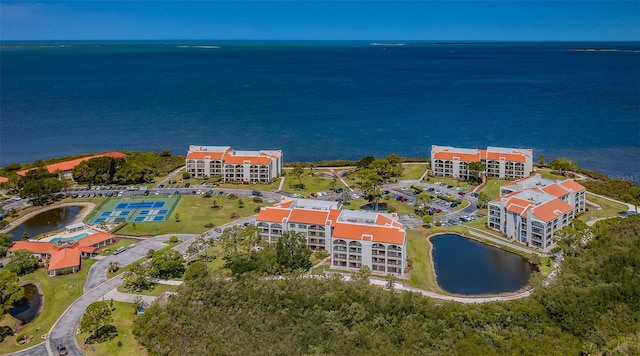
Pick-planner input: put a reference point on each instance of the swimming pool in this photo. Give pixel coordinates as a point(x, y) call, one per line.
point(77, 237)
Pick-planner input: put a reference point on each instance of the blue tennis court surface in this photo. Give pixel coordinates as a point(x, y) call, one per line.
point(135, 210)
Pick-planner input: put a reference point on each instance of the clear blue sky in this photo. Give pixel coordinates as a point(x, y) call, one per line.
point(321, 20)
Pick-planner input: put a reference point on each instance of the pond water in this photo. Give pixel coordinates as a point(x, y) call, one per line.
point(372, 206)
point(465, 266)
point(46, 221)
point(30, 304)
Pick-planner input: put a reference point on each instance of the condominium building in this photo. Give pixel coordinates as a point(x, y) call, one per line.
point(499, 162)
point(232, 165)
point(353, 238)
point(532, 209)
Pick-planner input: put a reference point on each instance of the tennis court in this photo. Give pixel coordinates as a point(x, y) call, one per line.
point(138, 210)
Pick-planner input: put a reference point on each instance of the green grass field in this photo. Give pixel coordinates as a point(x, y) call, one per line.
point(492, 188)
point(607, 208)
point(194, 211)
point(312, 183)
point(59, 293)
point(413, 171)
point(123, 317)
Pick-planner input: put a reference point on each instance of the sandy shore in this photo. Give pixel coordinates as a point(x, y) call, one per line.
point(87, 207)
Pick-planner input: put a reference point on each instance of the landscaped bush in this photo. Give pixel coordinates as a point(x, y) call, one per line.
point(209, 225)
point(5, 331)
point(257, 200)
point(173, 239)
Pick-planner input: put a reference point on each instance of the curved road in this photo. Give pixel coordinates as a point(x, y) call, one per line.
point(97, 284)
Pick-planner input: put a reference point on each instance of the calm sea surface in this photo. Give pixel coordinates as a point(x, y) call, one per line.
point(323, 100)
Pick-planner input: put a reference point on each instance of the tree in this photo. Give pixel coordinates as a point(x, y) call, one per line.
point(483, 200)
point(25, 236)
point(391, 280)
point(186, 175)
point(541, 160)
point(113, 267)
point(239, 247)
point(332, 184)
point(98, 315)
point(196, 271)
point(364, 162)
point(165, 153)
point(363, 274)
point(137, 277)
point(11, 291)
point(5, 242)
point(298, 171)
point(22, 262)
point(475, 169)
point(427, 220)
point(166, 264)
point(292, 252)
point(563, 164)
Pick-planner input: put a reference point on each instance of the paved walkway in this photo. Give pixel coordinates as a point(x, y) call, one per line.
point(128, 297)
point(483, 235)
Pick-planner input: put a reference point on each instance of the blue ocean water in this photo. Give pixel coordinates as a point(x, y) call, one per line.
point(323, 100)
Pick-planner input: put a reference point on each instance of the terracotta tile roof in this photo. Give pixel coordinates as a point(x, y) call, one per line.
point(365, 232)
point(517, 205)
point(65, 258)
point(555, 190)
point(95, 239)
point(572, 184)
point(551, 209)
point(261, 160)
point(308, 216)
point(512, 157)
point(34, 246)
point(334, 214)
point(276, 215)
point(4, 179)
point(87, 249)
point(467, 157)
point(69, 165)
point(213, 155)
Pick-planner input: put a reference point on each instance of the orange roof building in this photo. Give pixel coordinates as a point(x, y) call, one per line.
point(499, 162)
point(64, 256)
point(67, 167)
point(532, 209)
point(353, 238)
point(234, 166)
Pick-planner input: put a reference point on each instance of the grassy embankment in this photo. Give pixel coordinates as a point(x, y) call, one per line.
point(59, 292)
point(124, 343)
point(413, 171)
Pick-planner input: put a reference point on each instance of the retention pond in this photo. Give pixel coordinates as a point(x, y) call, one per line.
point(468, 267)
point(29, 307)
point(46, 221)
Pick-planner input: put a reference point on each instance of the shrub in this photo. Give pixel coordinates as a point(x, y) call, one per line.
point(5, 331)
point(232, 197)
point(257, 200)
point(150, 253)
point(207, 195)
point(186, 175)
point(209, 225)
point(173, 239)
point(322, 254)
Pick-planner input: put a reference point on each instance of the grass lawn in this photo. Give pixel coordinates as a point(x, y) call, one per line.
point(546, 173)
point(194, 212)
point(312, 183)
point(59, 293)
point(492, 188)
point(608, 208)
point(422, 274)
point(123, 317)
point(413, 171)
point(450, 181)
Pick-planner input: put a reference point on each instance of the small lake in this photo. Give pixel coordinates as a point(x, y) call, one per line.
point(465, 266)
point(30, 304)
point(46, 221)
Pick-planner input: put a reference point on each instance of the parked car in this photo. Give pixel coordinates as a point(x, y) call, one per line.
point(62, 350)
point(119, 250)
point(256, 193)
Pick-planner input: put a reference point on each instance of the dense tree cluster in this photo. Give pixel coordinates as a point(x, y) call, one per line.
point(22, 262)
point(371, 173)
point(593, 306)
point(10, 291)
